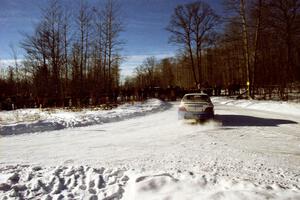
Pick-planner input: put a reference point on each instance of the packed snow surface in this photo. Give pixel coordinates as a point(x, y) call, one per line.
point(242, 154)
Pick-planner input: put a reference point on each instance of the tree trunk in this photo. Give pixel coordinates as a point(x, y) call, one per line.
point(245, 41)
point(256, 40)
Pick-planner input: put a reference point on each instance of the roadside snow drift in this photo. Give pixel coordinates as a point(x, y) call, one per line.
point(281, 107)
point(35, 120)
point(83, 182)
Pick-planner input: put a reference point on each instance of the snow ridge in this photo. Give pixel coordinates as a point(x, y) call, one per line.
point(63, 119)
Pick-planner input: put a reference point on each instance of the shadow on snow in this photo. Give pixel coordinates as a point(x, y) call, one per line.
point(243, 120)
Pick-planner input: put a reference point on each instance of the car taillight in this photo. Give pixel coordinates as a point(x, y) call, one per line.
point(182, 108)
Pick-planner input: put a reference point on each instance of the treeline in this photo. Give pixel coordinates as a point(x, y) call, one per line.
point(72, 58)
point(256, 41)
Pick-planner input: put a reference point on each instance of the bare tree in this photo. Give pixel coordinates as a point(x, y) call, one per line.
point(181, 29)
point(66, 32)
point(242, 12)
point(112, 28)
point(258, 9)
point(239, 7)
point(45, 51)
point(204, 21)
point(190, 26)
point(83, 20)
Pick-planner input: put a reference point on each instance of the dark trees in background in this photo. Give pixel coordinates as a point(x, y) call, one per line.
point(71, 58)
point(284, 21)
point(76, 55)
point(269, 24)
point(258, 42)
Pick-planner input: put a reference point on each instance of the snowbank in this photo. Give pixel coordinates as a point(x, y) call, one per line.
point(187, 185)
point(281, 107)
point(36, 120)
point(83, 182)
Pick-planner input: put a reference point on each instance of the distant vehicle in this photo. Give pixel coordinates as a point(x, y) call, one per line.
point(196, 106)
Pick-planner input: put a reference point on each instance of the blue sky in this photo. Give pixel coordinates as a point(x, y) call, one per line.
point(144, 21)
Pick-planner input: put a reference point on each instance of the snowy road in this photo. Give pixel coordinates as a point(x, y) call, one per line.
point(161, 141)
point(242, 144)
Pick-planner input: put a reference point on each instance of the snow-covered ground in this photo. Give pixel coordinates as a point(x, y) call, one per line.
point(83, 182)
point(290, 108)
point(38, 120)
point(243, 154)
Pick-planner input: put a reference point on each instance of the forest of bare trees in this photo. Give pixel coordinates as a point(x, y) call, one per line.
point(255, 42)
point(74, 58)
point(70, 59)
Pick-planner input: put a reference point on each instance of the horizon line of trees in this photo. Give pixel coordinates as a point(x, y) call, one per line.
point(76, 55)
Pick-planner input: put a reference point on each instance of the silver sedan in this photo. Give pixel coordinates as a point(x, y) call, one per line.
point(196, 106)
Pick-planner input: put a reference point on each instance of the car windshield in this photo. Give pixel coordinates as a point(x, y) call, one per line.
point(197, 98)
